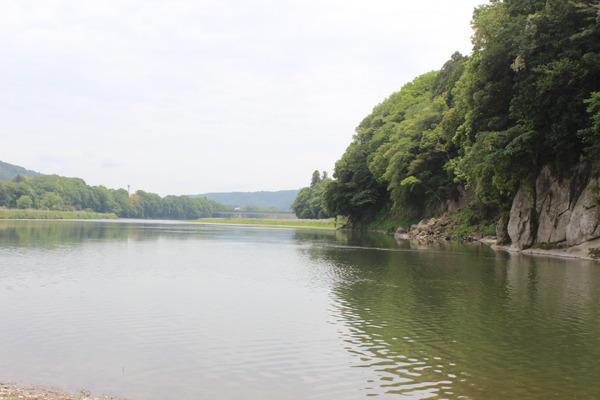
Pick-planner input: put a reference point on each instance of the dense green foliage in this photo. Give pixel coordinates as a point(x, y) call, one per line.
point(310, 203)
point(53, 192)
point(527, 96)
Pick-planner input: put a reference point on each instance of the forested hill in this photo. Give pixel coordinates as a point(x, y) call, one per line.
point(281, 200)
point(26, 189)
point(528, 97)
point(53, 192)
point(9, 171)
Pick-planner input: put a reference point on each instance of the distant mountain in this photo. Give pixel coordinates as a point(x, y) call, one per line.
point(281, 199)
point(9, 171)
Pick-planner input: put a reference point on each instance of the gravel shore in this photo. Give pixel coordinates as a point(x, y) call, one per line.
point(16, 392)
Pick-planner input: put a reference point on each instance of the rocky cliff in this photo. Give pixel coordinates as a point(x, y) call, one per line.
point(560, 210)
point(555, 215)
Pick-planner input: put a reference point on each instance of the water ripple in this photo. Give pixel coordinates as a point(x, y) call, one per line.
point(203, 313)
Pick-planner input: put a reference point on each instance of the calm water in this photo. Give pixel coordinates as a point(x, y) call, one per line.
point(183, 311)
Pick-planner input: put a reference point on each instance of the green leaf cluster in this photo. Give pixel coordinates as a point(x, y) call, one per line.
point(527, 96)
point(310, 203)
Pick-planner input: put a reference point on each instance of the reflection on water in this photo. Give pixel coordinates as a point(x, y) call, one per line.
point(160, 310)
point(459, 321)
point(22, 233)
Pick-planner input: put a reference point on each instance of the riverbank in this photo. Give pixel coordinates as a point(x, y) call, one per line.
point(584, 251)
point(444, 229)
point(10, 213)
point(11, 391)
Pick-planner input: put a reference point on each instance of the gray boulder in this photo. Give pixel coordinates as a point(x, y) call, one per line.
point(563, 210)
point(522, 224)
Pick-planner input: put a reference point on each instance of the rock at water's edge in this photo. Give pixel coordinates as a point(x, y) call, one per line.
point(565, 210)
point(522, 221)
point(584, 221)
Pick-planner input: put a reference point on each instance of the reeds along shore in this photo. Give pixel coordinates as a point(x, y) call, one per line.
point(9, 213)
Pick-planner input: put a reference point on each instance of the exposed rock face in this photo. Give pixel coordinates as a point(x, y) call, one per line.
point(432, 229)
point(584, 224)
point(564, 210)
point(462, 199)
point(435, 229)
point(427, 229)
point(522, 221)
point(561, 210)
point(502, 232)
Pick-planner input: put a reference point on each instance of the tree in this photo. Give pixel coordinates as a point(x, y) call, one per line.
point(5, 195)
point(590, 137)
point(355, 192)
point(149, 203)
point(123, 208)
point(316, 178)
point(300, 204)
point(50, 201)
point(104, 200)
point(24, 202)
point(407, 138)
point(534, 65)
point(310, 203)
point(15, 190)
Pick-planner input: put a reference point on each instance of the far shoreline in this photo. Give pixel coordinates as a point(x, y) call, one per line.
point(329, 223)
point(584, 251)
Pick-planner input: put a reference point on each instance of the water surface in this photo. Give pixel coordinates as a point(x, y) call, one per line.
point(156, 310)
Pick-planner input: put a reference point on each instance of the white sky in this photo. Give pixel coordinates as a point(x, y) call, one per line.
point(186, 97)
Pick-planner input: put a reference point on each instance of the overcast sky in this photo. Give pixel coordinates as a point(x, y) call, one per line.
point(186, 97)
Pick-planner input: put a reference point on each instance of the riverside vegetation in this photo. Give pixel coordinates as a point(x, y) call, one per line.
point(521, 114)
point(52, 214)
point(31, 195)
point(71, 197)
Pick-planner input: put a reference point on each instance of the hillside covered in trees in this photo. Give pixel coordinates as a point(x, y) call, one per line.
point(53, 192)
point(10, 171)
point(280, 200)
point(527, 98)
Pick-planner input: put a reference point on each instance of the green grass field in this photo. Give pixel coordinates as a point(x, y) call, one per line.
point(302, 223)
point(7, 213)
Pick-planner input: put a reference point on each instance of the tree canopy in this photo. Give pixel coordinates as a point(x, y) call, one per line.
point(526, 97)
point(310, 203)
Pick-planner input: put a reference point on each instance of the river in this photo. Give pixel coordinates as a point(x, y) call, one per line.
point(165, 310)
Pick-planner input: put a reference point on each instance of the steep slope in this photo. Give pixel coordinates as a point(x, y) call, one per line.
point(9, 171)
